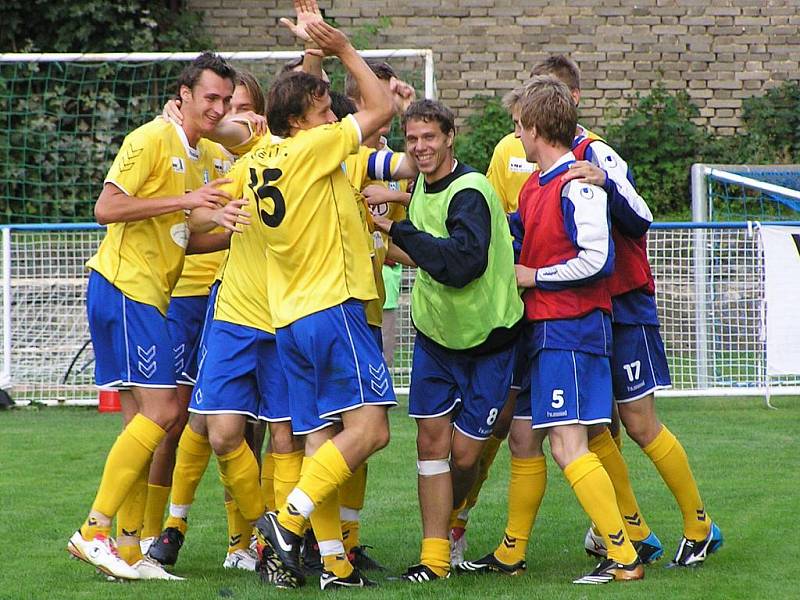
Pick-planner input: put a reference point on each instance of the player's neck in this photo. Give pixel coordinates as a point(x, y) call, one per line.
point(443, 170)
point(191, 130)
point(547, 155)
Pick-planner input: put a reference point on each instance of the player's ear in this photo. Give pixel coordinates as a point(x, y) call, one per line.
point(185, 93)
point(450, 137)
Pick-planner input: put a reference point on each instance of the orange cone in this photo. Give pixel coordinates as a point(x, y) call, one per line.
point(108, 401)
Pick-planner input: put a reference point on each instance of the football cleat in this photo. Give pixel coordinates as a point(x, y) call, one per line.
point(490, 564)
point(312, 561)
point(420, 574)
point(152, 569)
point(166, 546)
point(272, 573)
point(649, 549)
point(101, 551)
point(328, 580)
point(241, 559)
point(594, 544)
point(362, 561)
point(608, 570)
point(458, 545)
point(692, 553)
point(284, 543)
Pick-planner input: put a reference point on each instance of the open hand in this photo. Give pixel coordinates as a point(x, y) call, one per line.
point(307, 12)
point(585, 172)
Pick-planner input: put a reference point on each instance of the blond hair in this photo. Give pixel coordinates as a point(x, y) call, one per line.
point(545, 102)
point(562, 67)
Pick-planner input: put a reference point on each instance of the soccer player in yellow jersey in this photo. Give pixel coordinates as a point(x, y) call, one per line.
point(132, 275)
point(319, 273)
point(508, 171)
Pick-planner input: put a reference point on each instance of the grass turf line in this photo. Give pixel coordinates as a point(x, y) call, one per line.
point(744, 456)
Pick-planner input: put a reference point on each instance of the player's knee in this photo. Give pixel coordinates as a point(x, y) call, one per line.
point(222, 442)
point(379, 437)
point(643, 431)
point(464, 461)
point(282, 439)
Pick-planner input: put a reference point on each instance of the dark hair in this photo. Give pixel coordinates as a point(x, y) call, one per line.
point(431, 110)
point(382, 70)
point(206, 61)
point(561, 67)
point(290, 97)
point(290, 66)
point(341, 105)
point(247, 80)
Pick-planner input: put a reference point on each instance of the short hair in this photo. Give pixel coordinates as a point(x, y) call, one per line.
point(561, 67)
point(545, 102)
point(247, 80)
point(207, 61)
point(430, 110)
point(291, 65)
point(290, 97)
point(341, 105)
point(382, 70)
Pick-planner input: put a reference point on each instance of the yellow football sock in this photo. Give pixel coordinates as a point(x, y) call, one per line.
point(129, 520)
point(337, 564)
point(287, 474)
point(608, 452)
point(239, 528)
point(326, 471)
point(157, 498)
point(435, 555)
point(90, 529)
point(526, 487)
point(618, 439)
point(238, 471)
point(268, 481)
point(126, 460)
point(670, 459)
point(325, 520)
point(351, 499)
point(191, 462)
point(595, 492)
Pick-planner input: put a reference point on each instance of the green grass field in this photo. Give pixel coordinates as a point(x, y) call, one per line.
point(745, 459)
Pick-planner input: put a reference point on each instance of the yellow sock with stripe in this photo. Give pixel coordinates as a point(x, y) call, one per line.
point(328, 531)
point(618, 439)
point(670, 459)
point(126, 460)
point(239, 528)
point(435, 555)
point(459, 516)
point(157, 498)
point(595, 492)
point(129, 520)
point(334, 558)
point(526, 488)
point(608, 452)
point(238, 471)
point(326, 471)
point(191, 462)
point(351, 500)
point(287, 474)
point(268, 480)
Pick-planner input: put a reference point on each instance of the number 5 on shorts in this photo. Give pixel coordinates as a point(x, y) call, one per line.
point(558, 399)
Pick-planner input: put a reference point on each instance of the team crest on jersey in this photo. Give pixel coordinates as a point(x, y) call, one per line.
point(178, 165)
point(180, 234)
point(611, 162)
point(377, 239)
point(206, 177)
point(519, 165)
point(394, 186)
point(586, 192)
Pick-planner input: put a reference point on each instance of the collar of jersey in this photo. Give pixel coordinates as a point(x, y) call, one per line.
point(192, 153)
point(560, 166)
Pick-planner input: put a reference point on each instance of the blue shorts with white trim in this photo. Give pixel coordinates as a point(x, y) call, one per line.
point(638, 363)
point(566, 387)
point(185, 317)
point(132, 345)
point(472, 388)
point(334, 363)
point(241, 374)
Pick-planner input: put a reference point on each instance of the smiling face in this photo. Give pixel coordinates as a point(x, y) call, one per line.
point(430, 148)
point(318, 113)
point(204, 105)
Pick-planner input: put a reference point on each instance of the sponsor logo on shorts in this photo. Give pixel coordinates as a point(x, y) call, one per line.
point(378, 380)
point(147, 361)
point(636, 386)
point(553, 415)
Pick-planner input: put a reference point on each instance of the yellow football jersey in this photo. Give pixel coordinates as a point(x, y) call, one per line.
point(317, 253)
point(509, 169)
point(143, 259)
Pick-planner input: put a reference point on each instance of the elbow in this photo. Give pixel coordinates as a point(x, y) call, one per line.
point(102, 214)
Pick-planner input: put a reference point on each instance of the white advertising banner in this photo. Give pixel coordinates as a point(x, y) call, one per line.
point(782, 293)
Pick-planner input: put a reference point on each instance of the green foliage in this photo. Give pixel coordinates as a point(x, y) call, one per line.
point(64, 122)
point(660, 142)
point(99, 26)
point(773, 123)
point(483, 129)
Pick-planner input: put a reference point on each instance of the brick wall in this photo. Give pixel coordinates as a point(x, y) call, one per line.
point(720, 51)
